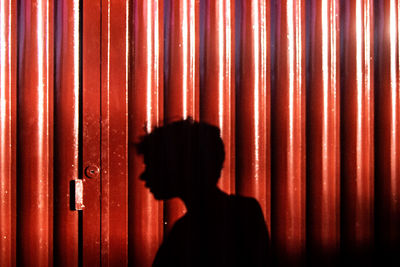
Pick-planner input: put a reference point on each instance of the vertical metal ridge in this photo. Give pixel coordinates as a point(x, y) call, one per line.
point(218, 91)
point(66, 130)
point(35, 134)
point(288, 132)
point(323, 131)
point(253, 105)
point(105, 132)
point(357, 136)
point(8, 44)
point(92, 67)
point(387, 215)
point(145, 113)
point(182, 88)
point(114, 136)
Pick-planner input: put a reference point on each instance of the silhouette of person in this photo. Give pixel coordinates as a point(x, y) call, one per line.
point(184, 159)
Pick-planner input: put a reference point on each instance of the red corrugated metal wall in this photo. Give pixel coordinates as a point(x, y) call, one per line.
point(306, 94)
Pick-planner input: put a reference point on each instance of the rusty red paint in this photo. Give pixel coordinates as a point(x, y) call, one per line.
point(357, 122)
point(253, 105)
point(288, 143)
point(323, 129)
point(145, 112)
point(8, 67)
point(182, 88)
point(35, 120)
point(66, 131)
point(91, 136)
point(387, 125)
point(217, 95)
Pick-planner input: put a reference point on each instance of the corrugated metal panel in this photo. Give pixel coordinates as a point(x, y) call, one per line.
point(323, 129)
point(305, 94)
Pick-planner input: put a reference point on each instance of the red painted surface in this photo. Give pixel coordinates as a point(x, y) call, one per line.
point(182, 87)
point(357, 122)
point(288, 139)
point(253, 106)
point(8, 82)
point(35, 134)
point(66, 131)
point(145, 112)
point(323, 129)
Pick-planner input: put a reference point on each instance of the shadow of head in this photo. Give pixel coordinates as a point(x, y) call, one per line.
point(181, 158)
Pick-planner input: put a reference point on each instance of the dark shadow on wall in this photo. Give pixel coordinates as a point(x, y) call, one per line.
point(184, 159)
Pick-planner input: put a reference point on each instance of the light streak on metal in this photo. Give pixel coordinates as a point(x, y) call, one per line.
point(395, 183)
point(185, 58)
point(108, 52)
point(258, 129)
point(299, 70)
point(290, 149)
point(299, 47)
point(367, 56)
point(192, 59)
point(393, 85)
point(221, 70)
point(9, 41)
point(334, 14)
point(323, 149)
point(47, 67)
point(228, 58)
point(334, 10)
point(325, 73)
point(398, 35)
point(256, 30)
point(126, 61)
point(156, 60)
point(46, 218)
point(2, 74)
point(149, 71)
point(75, 10)
point(40, 74)
point(40, 106)
point(359, 78)
point(367, 78)
point(7, 172)
point(3, 134)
